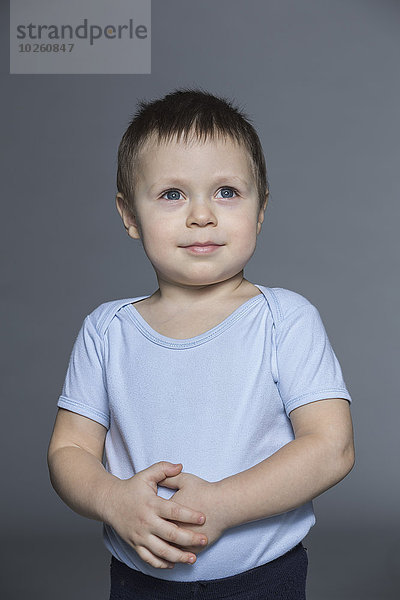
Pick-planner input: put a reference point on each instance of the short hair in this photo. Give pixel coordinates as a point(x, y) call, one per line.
point(181, 113)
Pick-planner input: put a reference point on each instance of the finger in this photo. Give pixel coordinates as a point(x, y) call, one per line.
point(170, 553)
point(153, 560)
point(177, 512)
point(180, 536)
point(160, 470)
point(171, 482)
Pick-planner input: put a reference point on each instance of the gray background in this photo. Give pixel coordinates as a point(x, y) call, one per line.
point(320, 80)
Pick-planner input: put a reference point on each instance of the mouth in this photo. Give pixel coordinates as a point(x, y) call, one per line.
point(201, 244)
point(206, 248)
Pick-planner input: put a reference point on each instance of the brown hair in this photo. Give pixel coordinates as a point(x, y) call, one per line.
point(178, 114)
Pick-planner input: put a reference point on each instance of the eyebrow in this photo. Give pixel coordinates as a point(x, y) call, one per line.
point(181, 182)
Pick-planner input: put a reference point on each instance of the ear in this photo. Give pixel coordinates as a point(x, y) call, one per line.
point(129, 219)
point(261, 214)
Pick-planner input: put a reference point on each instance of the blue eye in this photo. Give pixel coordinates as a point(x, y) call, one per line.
point(176, 192)
point(227, 189)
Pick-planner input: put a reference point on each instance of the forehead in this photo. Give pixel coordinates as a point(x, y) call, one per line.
point(217, 154)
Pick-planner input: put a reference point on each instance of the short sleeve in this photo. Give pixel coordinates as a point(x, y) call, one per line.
point(308, 369)
point(84, 390)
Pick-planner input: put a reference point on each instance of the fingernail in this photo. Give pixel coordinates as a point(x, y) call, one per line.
point(201, 519)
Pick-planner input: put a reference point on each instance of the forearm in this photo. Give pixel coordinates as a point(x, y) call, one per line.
point(81, 481)
point(295, 474)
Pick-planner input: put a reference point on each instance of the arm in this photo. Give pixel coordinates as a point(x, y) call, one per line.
point(320, 456)
point(131, 506)
point(74, 459)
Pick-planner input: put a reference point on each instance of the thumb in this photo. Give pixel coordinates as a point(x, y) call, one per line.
point(163, 469)
point(172, 482)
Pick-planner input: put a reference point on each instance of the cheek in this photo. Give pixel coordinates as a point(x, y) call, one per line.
point(245, 227)
point(158, 235)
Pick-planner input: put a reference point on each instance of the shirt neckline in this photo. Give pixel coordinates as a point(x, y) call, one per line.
point(169, 342)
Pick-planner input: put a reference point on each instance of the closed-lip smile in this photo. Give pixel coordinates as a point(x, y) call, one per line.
point(209, 243)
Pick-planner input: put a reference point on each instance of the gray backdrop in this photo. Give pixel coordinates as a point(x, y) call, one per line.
point(320, 79)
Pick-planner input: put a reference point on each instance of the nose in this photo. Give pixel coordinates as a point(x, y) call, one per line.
point(201, 212)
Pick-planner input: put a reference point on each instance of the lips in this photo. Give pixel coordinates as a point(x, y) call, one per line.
point(202, 244)
point(202, 249)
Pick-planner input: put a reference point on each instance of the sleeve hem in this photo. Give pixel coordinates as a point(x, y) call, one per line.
point(86, 411)
point(314, 396)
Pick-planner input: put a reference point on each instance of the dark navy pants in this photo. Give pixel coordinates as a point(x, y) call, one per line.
point(281, 579)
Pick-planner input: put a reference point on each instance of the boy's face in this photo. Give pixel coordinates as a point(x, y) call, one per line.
point(198, 192)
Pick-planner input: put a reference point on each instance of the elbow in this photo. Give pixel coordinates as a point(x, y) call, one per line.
point(342, 459)
point(347, 459)
point(352, 460)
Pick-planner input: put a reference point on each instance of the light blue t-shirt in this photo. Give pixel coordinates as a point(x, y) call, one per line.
point(218, 403)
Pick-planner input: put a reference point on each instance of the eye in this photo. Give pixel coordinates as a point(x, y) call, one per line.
point(225, 191)
point(174, 193)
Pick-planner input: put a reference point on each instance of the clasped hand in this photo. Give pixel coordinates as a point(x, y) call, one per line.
point(200, 495)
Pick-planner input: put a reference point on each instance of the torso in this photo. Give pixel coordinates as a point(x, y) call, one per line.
point(188, 324)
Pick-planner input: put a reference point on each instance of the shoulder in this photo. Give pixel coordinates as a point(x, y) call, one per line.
point(101, 316)
point(287, 301)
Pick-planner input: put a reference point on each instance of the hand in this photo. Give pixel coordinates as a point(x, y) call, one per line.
point(145, 521)
point(203, 496)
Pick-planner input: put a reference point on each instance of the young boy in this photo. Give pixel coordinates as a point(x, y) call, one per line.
point(213, 397)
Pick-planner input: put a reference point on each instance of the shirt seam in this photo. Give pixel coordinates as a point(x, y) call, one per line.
point(278, 304)
point(87, 406)
point(277, 334)
point(102, 352)
point(318, 392)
